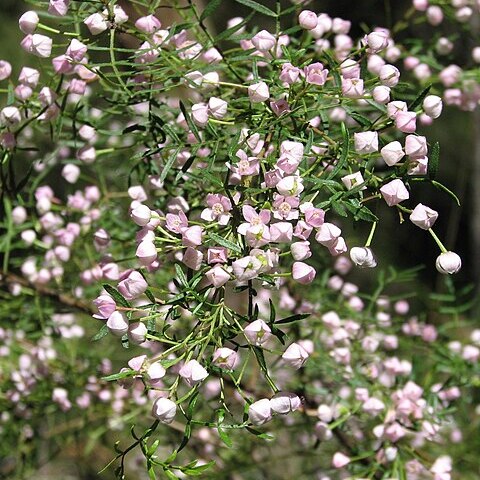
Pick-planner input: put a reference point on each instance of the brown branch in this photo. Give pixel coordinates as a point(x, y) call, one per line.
point(60, 297)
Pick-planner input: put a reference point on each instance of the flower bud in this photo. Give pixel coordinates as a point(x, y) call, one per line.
point(423, 216)
point(303, 273)
point(141, 215)
point(432, 106)
point(117, 324)
point(307, 19)
point(263, 40)
point(193, 373)
point(389, 75)
point(137, 332)
point(366, 142)
point(394, 192)
point(260, 412)
point(96, 23)
point(146, 252)
point(295, 355)
point(28, 22)
point(258, 92)
point(392, 153)
point(448, 262)
point(285, 402)
point(164, 410)
point(148, 24)
point(363, 257)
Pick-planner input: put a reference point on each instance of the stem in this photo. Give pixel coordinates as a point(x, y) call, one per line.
point(438, 241)
point(370, 236)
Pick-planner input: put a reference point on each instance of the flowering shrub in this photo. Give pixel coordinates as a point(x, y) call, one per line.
point(209, 185)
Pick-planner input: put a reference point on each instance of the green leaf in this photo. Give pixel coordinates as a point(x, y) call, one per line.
point(225, 243)
point(116, 376)
point(260, 357)
point(345, 150)
point(419, 99)
point(446, 190)
point(103, 332)
point(433, 161)
point(116, 295)
point(198, 469)
point(259, 434)
point(293, 318)
point(181, 275)
point(150, 296)
point(190, 122)
point(209, 9)
point(168, 165)
point(257, 7)
point(224, 437)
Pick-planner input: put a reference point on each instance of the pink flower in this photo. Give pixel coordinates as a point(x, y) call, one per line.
point(303, 273)
point(327, 234)
point(314, 217)
point(253, 219)
point(302, 230)
point(285, 207)
point(281, 232)
point(217, 107)
point(260, 412)
point(28, 22)
point(246, 166)
point(96, 23)
point(432, 106)
point(176, 223)
point(381, 94)
point(117, 324)
point(58, 7)
point(225, 358)
point(285, 402)
point(217, 276)
point(193, 373)
point(353, 180)
point(258, 92)
point(423, 216)
point(394, 192)
point(257, 332)
point(133, 286)
point(105, 305)
point(289, 73)
point(38, 45)
point(192, 258)
point(137, 333)
point(300, 250)
point(295, 355)
point(406, 122)
point(264, 41)
point(338, 247)
point(217, 255)
point(76, 50)
point(392, 153)
point(389, 75)
point(316, 74)
point(340, 460)
point(148, 24)
point(416, 146)
point(352, 87)
point(164, 410)
point(308, 19)
point(290, 186)
point(363, 257)
point(192, 236)
point(219, 208)
point(200, 114)
point(366, 142)
point(246, 268)
point(377, 41)
point(146, 252)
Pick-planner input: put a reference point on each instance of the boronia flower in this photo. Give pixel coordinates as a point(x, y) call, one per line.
point(363, 257)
